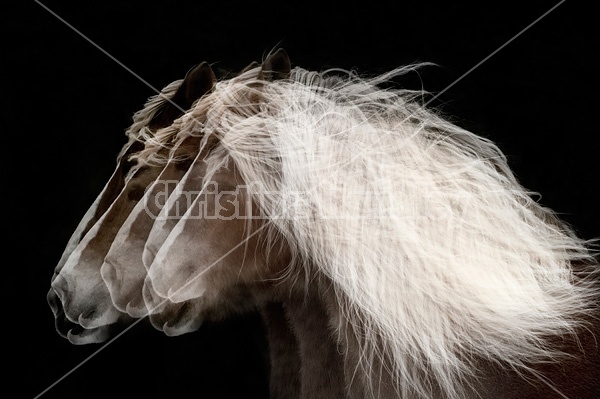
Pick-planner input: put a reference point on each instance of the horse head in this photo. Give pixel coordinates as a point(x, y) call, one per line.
point(219, 242)
point(194, 196)
point(78, 296)
point(101, 280)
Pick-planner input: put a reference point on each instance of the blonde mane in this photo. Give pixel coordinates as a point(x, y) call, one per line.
point(436, 254)
point(139, 130)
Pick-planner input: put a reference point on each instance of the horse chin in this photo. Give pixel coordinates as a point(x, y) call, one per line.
point(106, 317)
point(173, 319)
point(81, 336)
point(62, 324)
point(164, 318)
point(179, 327)
point(136, 308)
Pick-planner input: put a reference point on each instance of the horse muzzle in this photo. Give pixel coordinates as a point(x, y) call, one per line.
point(85, 329)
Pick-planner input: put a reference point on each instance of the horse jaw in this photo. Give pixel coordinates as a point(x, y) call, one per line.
point(173, 319)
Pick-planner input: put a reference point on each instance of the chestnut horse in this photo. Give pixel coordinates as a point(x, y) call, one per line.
point(409, 260)
point(98, 283)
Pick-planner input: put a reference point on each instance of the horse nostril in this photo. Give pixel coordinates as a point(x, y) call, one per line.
point(87, 318)
point(60, 287)
point(87, 314)
point(109, 273)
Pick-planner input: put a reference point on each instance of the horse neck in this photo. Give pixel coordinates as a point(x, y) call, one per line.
point(358, 383)
point(301, 343)
point(321, 369)
point(327, 355)
point(284, 358)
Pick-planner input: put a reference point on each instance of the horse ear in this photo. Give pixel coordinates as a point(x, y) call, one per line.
point(276, 66)
point(198, 81)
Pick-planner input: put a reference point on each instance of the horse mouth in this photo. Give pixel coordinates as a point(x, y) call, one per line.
point(182, 320)
point(78, 335)
point(75, 333)
point(81, 336)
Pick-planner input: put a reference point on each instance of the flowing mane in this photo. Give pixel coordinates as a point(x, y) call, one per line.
point(436, 254)
point(141, 129)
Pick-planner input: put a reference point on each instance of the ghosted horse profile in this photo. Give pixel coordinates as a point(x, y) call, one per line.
point(99, 281)
point(75, 277)
point(409, 260)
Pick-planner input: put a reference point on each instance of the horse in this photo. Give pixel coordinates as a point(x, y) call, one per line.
point(410, 261)
point(158, 112)
point(91, 294)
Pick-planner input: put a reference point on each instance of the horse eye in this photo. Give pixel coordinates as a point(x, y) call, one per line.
point(184, 165)
point(136, 193)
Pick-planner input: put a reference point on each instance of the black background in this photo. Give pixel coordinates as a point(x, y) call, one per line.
point(68, 105)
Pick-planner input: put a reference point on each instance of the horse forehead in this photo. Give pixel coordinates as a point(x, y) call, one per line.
point(146, 211)
point(96, 241)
